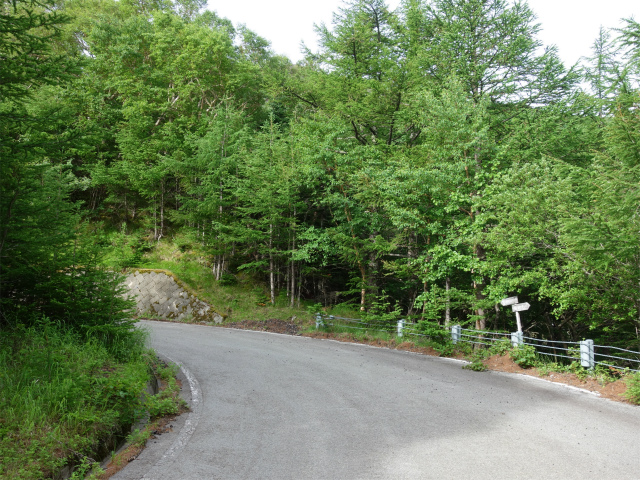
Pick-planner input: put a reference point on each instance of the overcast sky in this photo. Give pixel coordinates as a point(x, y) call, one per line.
point(572, 25)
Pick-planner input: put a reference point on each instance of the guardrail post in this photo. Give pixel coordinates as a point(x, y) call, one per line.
point(400, 326)
point(456, 333)
point(319, 322)
point(587, 354)
point(517, 339)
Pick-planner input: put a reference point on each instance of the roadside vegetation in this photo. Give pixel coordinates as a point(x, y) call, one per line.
point(244, 299)
point(63, 396)
point(66, 400)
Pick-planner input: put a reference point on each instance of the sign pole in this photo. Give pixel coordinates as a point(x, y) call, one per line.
point(516, 308)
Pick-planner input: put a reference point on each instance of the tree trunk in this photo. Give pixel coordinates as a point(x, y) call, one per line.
point(155, 219)
point(293, 263)
point(271, 267)
point(447, 311)
point(481, 321)
point(161, 210)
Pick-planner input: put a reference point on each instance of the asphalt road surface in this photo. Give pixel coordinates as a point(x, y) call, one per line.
point(268, 406)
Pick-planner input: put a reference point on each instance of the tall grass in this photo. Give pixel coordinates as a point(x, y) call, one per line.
point(59, 394)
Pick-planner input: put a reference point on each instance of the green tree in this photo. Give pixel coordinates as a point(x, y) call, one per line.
point(45, 269)
point(565, 231)
point(491, 48)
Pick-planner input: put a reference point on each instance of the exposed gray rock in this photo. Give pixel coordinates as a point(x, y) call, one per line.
point(158, 294)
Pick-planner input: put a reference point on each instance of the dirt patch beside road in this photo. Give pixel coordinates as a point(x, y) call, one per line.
point(612, 390)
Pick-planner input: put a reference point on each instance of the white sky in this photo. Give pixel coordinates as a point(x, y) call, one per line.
point(571, 25)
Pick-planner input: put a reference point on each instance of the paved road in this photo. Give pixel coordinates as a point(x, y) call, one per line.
point(271, 406)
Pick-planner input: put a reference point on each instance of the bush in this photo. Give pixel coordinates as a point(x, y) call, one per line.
point(501, 347)
point(476, 365)
point(227, 280)
point(60, 394)
point(434, 331)
point(633, 389)
point(161, 406)
point(524, 355)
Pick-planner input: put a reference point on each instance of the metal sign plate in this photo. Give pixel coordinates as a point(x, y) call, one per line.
point(520, 307)
point(509, 301)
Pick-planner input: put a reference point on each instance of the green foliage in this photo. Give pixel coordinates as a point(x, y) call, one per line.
point(61, 393)
point(48, 259)
point(434, 331)
point(633, 389)
point(476, 365)
point(501, 347)
point(226, 280)
point(161, 406)
point(381, 313)
point(138, 437)
point(87, 470)
point(167, 401)
point(524, 355)
point(26, 29)
point(125, 251)
point(446, 349)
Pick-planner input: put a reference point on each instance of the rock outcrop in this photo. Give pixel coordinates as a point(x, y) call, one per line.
point(159, 294)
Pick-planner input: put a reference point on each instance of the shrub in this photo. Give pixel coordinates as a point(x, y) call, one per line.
point(501, 347)
point(524, 355)
point(434, 331)
point(633, 389)
point(227, 280)
point(476, 365)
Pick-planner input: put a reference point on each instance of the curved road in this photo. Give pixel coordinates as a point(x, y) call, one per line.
point(269, 406)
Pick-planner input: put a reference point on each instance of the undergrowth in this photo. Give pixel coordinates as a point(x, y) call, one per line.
point(167, 401)
point(633, 389)
point(60, 396)
point(386, 338)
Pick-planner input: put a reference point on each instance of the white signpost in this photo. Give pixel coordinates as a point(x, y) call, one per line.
point(509, 301)
point(520, 307)
point(516, 307)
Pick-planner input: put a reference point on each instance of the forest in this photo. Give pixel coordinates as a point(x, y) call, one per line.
point(425, 162)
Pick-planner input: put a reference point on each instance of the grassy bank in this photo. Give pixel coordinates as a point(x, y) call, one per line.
point(62, 396)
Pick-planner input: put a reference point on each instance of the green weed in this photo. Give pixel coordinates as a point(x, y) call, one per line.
point(524, 355)
point(633, 389)
point(87, 470)
point(60, 393)
point(476, 365)
point(167, 401)
point(501, 347)
point(139, 437)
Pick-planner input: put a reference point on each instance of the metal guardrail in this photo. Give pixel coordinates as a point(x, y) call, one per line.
point(585, 351)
